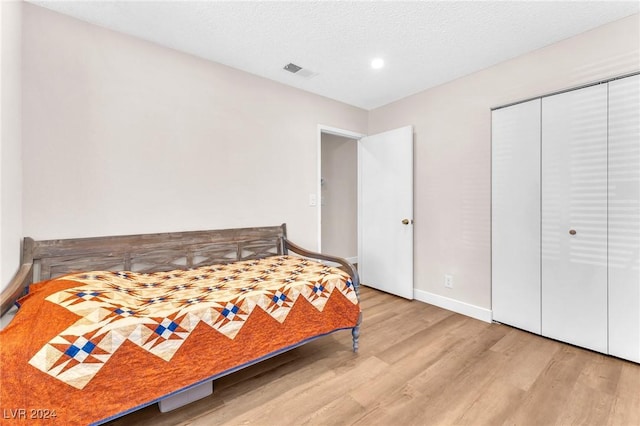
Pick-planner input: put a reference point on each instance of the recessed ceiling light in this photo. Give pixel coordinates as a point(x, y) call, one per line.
point(377, 63)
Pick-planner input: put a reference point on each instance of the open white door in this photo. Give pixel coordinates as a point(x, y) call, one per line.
point(385, 210)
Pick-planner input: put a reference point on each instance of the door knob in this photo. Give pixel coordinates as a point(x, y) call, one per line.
point(572, 232)
point(405, 221)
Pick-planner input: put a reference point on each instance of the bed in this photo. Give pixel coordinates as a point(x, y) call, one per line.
point(108, 325)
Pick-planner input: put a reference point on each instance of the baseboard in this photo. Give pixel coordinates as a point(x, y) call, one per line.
point(463, 308)
point(352, 260)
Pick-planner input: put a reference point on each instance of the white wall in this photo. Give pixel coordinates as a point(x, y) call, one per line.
point(10, 139)
point(452, 153)
point(124, 136)
point(339, 196)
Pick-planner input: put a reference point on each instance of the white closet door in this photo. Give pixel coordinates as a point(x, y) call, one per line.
point(574, 198)
point(515, 215)
point(624, 218)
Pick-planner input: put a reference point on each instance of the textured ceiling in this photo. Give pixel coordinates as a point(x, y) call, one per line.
point(423, 43)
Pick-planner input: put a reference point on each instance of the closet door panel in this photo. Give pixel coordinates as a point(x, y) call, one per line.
point(515, 216)
point(574, 198)
point(624, 218)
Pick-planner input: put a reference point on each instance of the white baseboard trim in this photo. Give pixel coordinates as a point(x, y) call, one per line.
point(454, 305)
point(351, 260)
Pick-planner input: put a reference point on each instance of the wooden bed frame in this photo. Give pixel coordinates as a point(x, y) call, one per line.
point(42, 260)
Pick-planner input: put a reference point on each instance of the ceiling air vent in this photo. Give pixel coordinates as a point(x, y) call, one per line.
point(299, 71)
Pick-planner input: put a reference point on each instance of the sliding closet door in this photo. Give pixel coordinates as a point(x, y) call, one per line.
point(574, 217)
point(515, 215)
point(624, 218)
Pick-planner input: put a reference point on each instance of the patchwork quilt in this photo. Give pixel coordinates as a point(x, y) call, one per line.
point(90, 346)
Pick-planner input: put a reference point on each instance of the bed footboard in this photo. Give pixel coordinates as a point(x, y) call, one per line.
point(350, 269)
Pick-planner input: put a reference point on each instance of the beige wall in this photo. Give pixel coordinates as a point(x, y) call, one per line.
point(453, 143)
point(10, 139)
point(339, 196)
point(123, 136)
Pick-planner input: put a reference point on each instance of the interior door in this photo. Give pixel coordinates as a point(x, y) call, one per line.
point(515, 215)
point(385, 225)
point(574, 217)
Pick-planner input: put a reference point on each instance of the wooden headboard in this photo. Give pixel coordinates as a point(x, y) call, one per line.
point(42, 260)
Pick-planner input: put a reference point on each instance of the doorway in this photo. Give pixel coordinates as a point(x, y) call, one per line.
point(338, 193)
point(370, 212)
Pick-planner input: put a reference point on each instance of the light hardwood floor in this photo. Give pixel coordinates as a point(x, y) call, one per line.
point(420, 365)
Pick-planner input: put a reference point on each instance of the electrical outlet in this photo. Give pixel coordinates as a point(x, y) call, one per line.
point(448, 281)
point(313, 201)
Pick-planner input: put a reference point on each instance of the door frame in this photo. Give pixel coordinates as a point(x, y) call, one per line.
point(337, 132)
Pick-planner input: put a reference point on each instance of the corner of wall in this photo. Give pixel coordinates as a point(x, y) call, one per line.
point(10, 138)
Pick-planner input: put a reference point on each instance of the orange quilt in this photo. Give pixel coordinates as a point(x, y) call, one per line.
point(92, 346)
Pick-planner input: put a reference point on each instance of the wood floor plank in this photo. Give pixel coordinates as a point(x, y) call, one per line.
point(548, 397)
point(420, 365)
point(625, 409)
point(601, 374)
point(594, 407)
point(416, 341)
point(451, 393)
point(387, 385)
point(337, 412)
point(304, 400)
point(493, 404)
point(528, 355)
